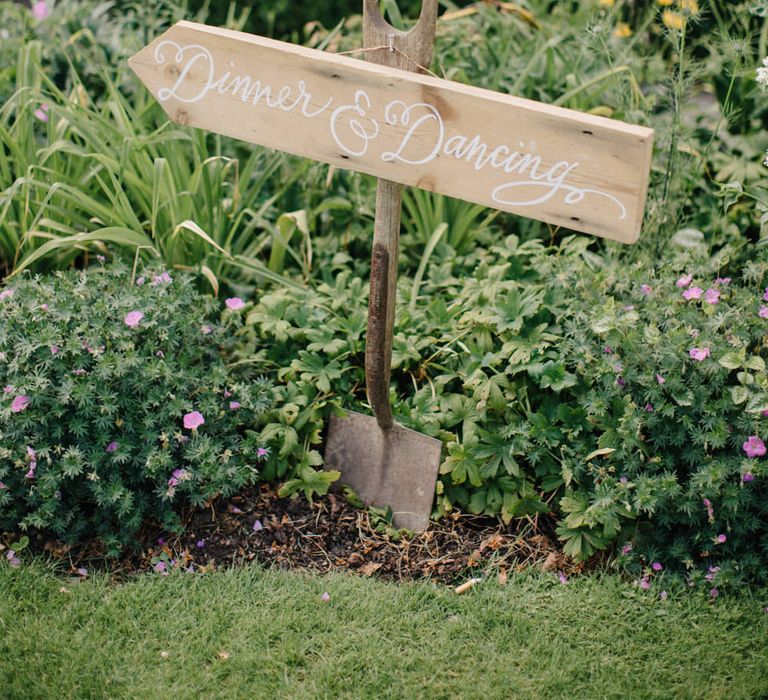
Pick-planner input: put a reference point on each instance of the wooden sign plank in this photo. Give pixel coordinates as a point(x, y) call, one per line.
point(567, 168)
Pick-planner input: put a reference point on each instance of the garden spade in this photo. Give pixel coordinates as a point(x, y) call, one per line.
point(383, 462)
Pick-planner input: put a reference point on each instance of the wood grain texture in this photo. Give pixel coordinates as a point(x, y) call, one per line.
point(580, 171)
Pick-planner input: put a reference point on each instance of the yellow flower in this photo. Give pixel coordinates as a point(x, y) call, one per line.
point(606, 3)
point(664, 3)
point(673, 20)
point(689, 6)
point(622, 30)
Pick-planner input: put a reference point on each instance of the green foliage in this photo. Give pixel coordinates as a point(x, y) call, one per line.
point(665, 429)
point(92, 439)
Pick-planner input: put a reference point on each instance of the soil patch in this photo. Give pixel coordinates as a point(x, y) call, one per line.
point(326, 535)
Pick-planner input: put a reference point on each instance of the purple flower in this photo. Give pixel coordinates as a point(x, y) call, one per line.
point(163, 278)
point(13, 560)
point(693, 293)
point(41, 113)
point(725, 281)
point(747, 476)
point(765, 295)
point(649, 407)
point(139, 281)
point(325, 597)
point(200, 544)
point(713, 593)
point(699, 354)
point(112, 447)
point(620, 381)
point(55, 349)
point(257, 525)
point(6, 294)
point(133, 318)
point(627, 548)
point(684, 281)
point(82, 571)
point(193, 420)
point(660, 379)
point(720, 539)
point(763, 313)
point(20, 403)
point(180, 474)
point(646, 289)
point(608, 350)
point(657, 566)
point(234, 405)
point(754, 446)
point(765, 413)
point(40, 10)
point(663, 595)
point(160, 567)
point(159, 353)
point(623, 479)
point(234, 509)
point(234, 303)
point(161, 541)
point(712, 296)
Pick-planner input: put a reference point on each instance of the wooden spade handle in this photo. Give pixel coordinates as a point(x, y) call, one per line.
point(413, 48)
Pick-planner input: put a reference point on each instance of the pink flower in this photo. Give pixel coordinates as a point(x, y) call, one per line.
point(663, 595)
point(41, 112)
point(139, 281)
point(754, 446)
point(206, 330)
point(112, 447)
point(627, 548)
point(82, 571)
point(693, 293)
point(234, 303)
point(657, 566)
point(723, 280)
point(40, 10)
point(257, 525)
point(660, 379)
point(160, 567)
point(646, 289)
point(684, 281)
point(649, 407)
point(234, 405)
point(262, 452)
point(645, 583)
point(714, 593)
point(6, 294)
point(720, 539)
point(20, 403)
point(712, 296)
point(699, 354)
point(2, 486)
point(747, 477)
point(133, 318)
point(193, 420)
point(7, 389)
point(164, 278)
point(55, 349)
point(325, 597)
point(562, 577)
point(763, 313)
point(765, 295)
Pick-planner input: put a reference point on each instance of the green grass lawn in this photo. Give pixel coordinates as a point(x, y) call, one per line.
point(534, 638)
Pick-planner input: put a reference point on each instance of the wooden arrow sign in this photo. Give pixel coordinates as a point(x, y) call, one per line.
point(567, 168)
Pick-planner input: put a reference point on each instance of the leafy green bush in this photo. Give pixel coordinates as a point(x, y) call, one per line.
point(673, 392)
point(104, 384)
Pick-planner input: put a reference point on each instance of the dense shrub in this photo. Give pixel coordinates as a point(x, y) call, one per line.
point(672, 396)
point(102, 380)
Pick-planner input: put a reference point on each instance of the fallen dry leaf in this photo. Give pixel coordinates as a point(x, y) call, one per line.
point(369, 568)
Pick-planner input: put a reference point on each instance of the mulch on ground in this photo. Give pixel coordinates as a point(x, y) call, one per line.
point(328, 534)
